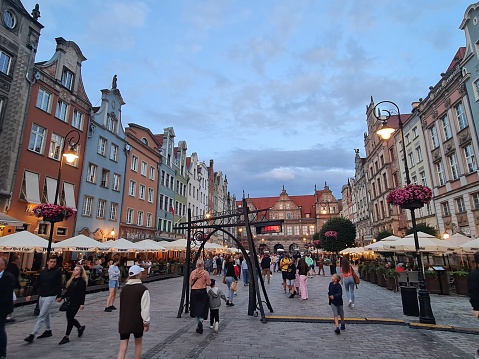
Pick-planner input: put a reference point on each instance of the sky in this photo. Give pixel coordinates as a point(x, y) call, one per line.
point(274, 91)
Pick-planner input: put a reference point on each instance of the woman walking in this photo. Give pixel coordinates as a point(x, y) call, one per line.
point(230, 277)
point(348, 280)
point(113, 284)
point(76, 289)
point(199, 303)
point(303, 269)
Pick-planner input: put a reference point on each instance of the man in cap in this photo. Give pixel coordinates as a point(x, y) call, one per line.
point(134, 312)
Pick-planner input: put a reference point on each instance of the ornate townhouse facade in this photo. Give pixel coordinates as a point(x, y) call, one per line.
point(360, 198)
point(181, 201)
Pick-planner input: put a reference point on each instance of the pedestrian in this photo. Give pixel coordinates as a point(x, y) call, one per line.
point(266, 267)
point(229, 276)
point(291, 278)
point(75, 294)
point(244, 269)
point(49, 287)
point(7, 285)
point(134, 312)
point(310, 263)
point(219, 264)
point(348, 280)
point(335, 293)
point(473, 290)
point(113, 284)
point(208, 264)
point(303, 278)
point(215, 266)
point(14, 270)
point(332, 265)
point(199, 300)
point(215, 294)
point(284, 264)
point(320, 264)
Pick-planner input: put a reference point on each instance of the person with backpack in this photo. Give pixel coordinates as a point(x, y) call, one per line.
point(284, 264)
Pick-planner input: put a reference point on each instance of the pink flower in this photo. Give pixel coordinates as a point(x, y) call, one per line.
point(410, 193)
point(52, 210)
point(331, 234)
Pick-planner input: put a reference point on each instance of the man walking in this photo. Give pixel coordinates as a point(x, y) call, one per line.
point(266, 266)
point(7, 284)
point(49, 288)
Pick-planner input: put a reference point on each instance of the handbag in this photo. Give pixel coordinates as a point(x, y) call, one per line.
point(234, 286)
point(356, 278)
point(65, 305)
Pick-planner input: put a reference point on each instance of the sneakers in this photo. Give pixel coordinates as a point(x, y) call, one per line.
point(211, 326)
point(337, 331)
point(64, 341)
point(229, 304)
point(29, 339)
point(80, 331)
point(112, 307)
point(352, 305)
point(216, 326)
point(46, 334)
point(343, 327)
point(108, 309)
point(199, 328)
point(350, 302)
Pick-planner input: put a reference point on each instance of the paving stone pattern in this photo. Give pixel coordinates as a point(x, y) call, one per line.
point(241, 336)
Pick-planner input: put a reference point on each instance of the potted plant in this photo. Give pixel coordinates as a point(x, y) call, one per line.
point(436, 286)
point(380, 275)
point(52, 212)
point(410, 197)
point(362, 270)
point(373, 278)
point(460, 281)
point(391, 277)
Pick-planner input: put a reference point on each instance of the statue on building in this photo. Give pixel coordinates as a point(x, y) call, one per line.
point(36, 12)
point(113, 83)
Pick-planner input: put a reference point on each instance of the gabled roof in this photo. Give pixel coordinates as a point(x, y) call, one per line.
point(457, 58)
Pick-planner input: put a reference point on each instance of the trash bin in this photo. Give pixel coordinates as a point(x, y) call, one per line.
point(410, 305)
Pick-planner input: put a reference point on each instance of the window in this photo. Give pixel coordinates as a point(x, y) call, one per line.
point(100, 211)
point(434, 138)
point(77, 120)
point(460, 205)
point(116, 182)
point(56, 144)
point(132, 188)
point(61, 112)
point(440, 174)
point(91, 173)
point(419, 154)
point(411, 159)
point(446, 128)
point(105, 178)
point(43, 100)
point(9, 19)
point(151, 194)
point(407, 139)
point(129, 215)
point(470, 158)
point(139, 218)
point(423, 178)
point(475, 200)
point(37, 137)
point(114, 152)
point(112, 124)
point(149, 219)
point(461, 115)
point(102, 143)
point(87, 204)
point(5, 62)
point(161, 201)
point(67, 79)
point(144, 168)
point(113, 211)
point(414, 132)
point(454, 167)
point(134, 163)
point(414, 179)
point(152, 173)
point(141, 190)
point(445, 209)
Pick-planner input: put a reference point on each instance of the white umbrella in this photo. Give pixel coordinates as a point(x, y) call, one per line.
point(10, 221)
point(209, 245)
point(458, 239)
point(149, 245)
point(427, 243)
point(23, 241)
point(179, 244)
point(471, 246)
point(80, 243)
point(379, 245)
point(124, 245)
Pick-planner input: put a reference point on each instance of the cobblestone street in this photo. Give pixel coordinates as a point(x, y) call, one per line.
point(242, 336)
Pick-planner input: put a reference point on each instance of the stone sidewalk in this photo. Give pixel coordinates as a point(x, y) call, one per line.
point(242, 336)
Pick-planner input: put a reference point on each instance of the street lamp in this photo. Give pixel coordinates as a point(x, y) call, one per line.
point(385, 132)
point(72, 138)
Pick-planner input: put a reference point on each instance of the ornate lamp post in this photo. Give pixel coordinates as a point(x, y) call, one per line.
point(425, 310)
point(72, 138)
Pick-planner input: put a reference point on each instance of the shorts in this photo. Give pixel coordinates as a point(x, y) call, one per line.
point(284, 275)
point(113, 284)
point(337, 310)
point(126, 336)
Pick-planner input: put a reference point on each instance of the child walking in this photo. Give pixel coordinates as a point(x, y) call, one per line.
point(215, 295)
point(335, 293)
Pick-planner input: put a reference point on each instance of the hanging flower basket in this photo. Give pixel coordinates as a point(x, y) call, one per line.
point(52, 212)
point(331, 234)
point(410, 197)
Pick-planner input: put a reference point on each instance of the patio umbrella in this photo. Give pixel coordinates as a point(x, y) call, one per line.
point(9, 221)
point(427, 243)
point(80, 243)
point(470, 247)
point(23, 241)
point(124, 245)
point(379, 245)
point(458, 239)
point(179, 244)
point(150, 246)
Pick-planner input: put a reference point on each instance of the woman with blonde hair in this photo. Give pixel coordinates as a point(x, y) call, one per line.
point(199, 300)
point(348, 280)
point(75, 294)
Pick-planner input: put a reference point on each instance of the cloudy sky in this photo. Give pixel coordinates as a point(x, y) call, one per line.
point(275, 91)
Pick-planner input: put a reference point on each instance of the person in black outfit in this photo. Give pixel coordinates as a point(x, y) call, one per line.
point(49, 287)
point(230, 277)
point(13, 269)
point(7, 284)
point(266, 267)
point(473, 290)
point(75, 294)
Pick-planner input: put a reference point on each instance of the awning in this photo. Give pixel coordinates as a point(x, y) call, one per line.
point(32, 187)
point(9, 221)
point(51, 189)
point(69, 190)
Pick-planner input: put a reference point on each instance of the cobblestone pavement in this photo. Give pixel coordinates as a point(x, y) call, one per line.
point(243, 336)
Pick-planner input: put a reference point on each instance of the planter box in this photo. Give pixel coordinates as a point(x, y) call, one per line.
point(461, 285)
point(433, 286)
point(392, 284)
point(373, 278)
point(382, 282)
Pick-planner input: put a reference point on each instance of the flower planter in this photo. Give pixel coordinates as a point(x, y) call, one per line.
point(392, 284)
point(55, 219)
point(461, 284)
point(382, 282)
point(373, 278)
point(433, 286)
point(412, 205)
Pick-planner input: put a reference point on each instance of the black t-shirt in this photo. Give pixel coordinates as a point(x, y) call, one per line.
point(266, 262)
